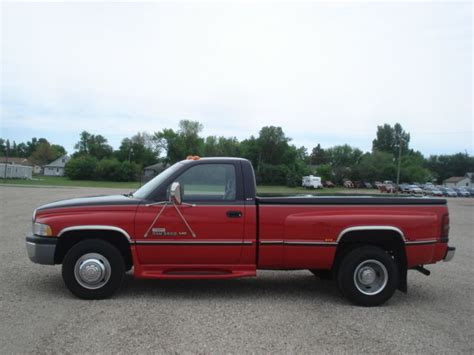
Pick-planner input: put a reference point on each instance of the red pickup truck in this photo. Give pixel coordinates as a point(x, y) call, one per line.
point(201, 218)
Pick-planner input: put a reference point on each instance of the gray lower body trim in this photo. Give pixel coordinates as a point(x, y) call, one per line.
point(422, 242)
point(192, 242)
point(41, 253)
point(298, 243)
point(449, 254)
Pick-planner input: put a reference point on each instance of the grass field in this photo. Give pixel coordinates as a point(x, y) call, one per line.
point(64, 181)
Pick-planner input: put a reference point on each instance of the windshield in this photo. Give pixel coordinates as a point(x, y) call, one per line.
point(150, 186)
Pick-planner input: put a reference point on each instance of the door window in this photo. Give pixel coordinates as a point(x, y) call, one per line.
point(208, 182)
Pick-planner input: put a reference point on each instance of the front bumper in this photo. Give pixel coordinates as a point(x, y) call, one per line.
point(41, 249)
point(449, 254)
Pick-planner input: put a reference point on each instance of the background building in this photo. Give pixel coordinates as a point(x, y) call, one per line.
point(458, 181)
point(14, 171)
point(56, 168)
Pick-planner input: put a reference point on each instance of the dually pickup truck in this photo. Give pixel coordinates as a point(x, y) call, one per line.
point(201, 218)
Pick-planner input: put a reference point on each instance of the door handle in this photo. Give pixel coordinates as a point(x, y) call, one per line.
point(234, 214)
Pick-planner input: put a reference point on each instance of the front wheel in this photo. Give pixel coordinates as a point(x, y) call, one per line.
point(368, 276)
point(93, 269)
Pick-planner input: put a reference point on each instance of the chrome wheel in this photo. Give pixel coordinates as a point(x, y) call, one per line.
point(370, 277)
point(92, 271)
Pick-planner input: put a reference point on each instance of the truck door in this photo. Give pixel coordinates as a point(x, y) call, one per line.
point(210, 229)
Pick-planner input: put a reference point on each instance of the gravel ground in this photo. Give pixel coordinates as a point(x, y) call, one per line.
point(278, 312)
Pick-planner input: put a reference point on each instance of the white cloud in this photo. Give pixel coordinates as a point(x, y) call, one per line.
point(324, 72)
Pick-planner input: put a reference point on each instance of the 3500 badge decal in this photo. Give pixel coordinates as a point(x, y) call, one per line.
point(161, 232)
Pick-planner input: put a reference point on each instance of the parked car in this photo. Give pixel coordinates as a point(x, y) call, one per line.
point(465, 192)
point(348, 183)
point(358, 185)
point(416, 190)
point(328, 184)
point(428, 185)
point(368, 185)
point(388, 188)
point(471, 190)
point(448, 192)
point(433, 191)
point(462, 192)
point(404, 188)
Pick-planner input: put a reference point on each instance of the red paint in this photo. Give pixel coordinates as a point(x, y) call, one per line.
point(287, 224)
point(262, 237)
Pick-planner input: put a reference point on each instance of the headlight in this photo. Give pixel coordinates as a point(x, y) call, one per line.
point(42, 230)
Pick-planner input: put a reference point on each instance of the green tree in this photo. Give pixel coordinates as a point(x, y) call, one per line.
point(221, 147)
point(99, 148)
point(446, 166)
point(81, 167)
point(276, 161)
point(169, 141)
point(390, 138)
point(45, 153)
point(94, 145)
point(3, 147)
point(22, 150)
point(318, 156)
point(83, 145)
point(376, 166)
point(178, 145)
point(324, 171)
point(189, 133)
point(343, 156)
point(31, 145)
point(140, 149)
point(273, 145)
point(128, 171)
point(107, 169)
point(250, 150)
point(412, 168)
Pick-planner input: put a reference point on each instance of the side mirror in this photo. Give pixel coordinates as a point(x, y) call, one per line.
point(175, 193)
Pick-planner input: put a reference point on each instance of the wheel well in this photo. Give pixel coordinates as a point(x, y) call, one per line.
point(389, 240)
point(69, 239)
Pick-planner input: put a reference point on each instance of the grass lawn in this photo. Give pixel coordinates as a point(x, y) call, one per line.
point(263, 189)
point(64, 181)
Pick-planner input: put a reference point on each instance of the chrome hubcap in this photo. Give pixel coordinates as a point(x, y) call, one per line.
point(367, 275)
point(370, 277)
point(92, 271)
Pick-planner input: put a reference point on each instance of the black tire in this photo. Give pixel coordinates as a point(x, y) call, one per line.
point(108, 255)
point(379, 264)
point(322, 274)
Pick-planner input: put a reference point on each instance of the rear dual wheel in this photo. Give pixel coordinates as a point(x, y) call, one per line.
point(368, 276)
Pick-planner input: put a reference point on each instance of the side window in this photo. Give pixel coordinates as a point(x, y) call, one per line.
point(208, 182)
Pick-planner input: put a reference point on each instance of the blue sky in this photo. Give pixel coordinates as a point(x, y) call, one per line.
point(326, 72)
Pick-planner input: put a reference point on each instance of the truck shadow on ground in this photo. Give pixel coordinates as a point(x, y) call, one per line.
point(270, 286)
point(283, 285)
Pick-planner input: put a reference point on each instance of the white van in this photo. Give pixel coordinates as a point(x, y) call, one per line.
point(311, 181)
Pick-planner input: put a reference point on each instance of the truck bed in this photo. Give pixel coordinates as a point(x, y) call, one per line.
point(347, 200)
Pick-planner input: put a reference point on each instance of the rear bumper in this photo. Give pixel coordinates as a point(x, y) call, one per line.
point(41, 249)
point(449, 254)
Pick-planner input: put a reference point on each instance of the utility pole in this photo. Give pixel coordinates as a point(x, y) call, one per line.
point(399, 158)
point(6, 165)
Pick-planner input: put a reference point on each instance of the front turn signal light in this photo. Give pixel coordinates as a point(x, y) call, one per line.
point(42, 230)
